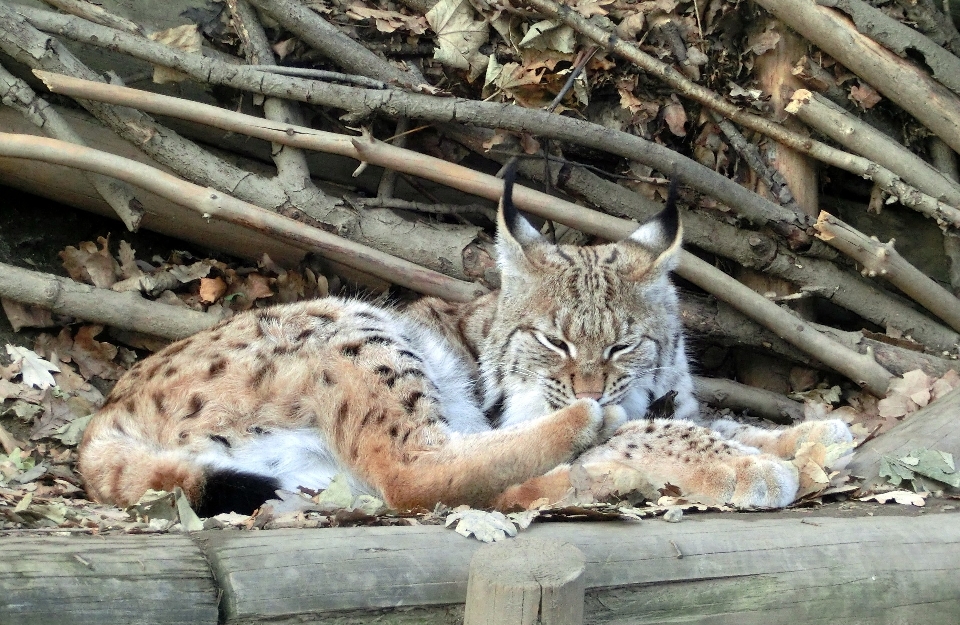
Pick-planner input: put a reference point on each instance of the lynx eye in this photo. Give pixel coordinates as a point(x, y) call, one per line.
point(555, 343)
point(618, 350)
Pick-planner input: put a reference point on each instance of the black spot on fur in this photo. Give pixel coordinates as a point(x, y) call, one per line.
point(217, 367)
point(647, 447)
point(379, 339)
point(394, 431)
point(234, 491)
point(130, 406)
point(196, 403)
point(650, 428)
point(366, 315)
point(216, 336)
point(411, 373)
point(158, 401)
point(408, 354)
point(220, 439)
point(262, 373)
point(627, 455)
point(350, 350)
point(256, 429)
point(303, 335)
point(410, 402)
point(631, 445)
point(327, 378)
point(283, 348)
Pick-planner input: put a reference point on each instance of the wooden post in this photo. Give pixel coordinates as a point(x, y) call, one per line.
point(526, 581)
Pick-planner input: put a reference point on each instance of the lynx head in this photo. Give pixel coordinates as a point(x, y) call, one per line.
point(573, 322)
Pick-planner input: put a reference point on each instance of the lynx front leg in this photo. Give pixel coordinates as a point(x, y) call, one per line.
point(475, 468)
point(784, 442)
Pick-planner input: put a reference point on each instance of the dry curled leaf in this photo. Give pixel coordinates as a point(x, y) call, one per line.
point(91, 264)
point(459, 36)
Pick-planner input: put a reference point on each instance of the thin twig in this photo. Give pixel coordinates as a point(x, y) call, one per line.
point(322, 74)
point(127, 310)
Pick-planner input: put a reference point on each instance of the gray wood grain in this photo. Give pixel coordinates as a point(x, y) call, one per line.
point(935, 426)
point(526, 581)
point(745, 569)
point(104, 580)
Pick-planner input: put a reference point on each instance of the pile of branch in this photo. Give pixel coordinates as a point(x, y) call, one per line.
point(752, 164)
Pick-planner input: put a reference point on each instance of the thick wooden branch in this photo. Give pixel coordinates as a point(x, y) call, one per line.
point(761, 403)
point(324, 37)
point(904, 83)
point(753, 250)
point(862, 369)
point(17, 94)
point(221, 206)
point(400, 104)
point(829, 119)
point(879, 259)
point(900, 38)
point(293, 173)
point(720, 323)
point(127, 311)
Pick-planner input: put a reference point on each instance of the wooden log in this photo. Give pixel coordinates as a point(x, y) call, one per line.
point(747, 569)
point(104, 580)
point(932, 427)
point(525, 582)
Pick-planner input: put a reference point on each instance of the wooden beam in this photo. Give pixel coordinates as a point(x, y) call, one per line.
point(527, 581)
point(747, 569)
point(799, 568)
point(85, 580)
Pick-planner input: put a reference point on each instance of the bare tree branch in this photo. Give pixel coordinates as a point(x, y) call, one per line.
point(217, 205)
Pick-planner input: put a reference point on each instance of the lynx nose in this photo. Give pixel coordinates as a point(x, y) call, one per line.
point(595, 396)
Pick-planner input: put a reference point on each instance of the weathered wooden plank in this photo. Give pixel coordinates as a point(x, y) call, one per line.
point(527, 581)
point(935, 426)
point(751, 569)
point(103, 580)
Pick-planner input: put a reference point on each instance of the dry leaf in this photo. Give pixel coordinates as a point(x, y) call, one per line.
point(90, 264)
point(22, 315)
point(764, 41)
point(212, 289)
point(904, 497)
point(186, 38)
point(459, 36)
point(94, 358)
point(389, 21)
point(864, 95)
point(676, 118)
point(34, 369)
point(549, 35)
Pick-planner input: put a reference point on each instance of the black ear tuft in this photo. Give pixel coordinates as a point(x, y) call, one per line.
point(225, 490)
point(511, 216)
point(669, 217)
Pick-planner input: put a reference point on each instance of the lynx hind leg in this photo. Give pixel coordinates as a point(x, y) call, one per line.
point(785, 442)
point(695, 460)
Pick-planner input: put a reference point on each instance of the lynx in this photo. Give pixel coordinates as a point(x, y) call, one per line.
point(481, 403)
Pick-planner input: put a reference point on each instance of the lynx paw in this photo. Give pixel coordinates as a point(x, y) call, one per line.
point(829, 432)
point(764, 481)
point(613, 417)
point(590, 425)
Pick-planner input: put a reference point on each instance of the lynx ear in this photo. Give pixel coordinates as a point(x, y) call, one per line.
point(515, 235)
point(659, 240)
